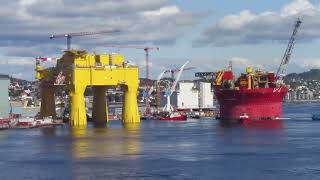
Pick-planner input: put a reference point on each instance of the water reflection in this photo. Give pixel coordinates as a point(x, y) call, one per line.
point(3, 135)
point(105, 142)
point(264, 124)
point(255, 133)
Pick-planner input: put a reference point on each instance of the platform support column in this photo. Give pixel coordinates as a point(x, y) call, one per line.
point(99, 105)
point(78, 112)
point(130, 112)
point(48, 107)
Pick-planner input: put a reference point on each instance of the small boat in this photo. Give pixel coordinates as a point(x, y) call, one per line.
point(113, 117)
point(194, 115)
point(4, 124)
point(173, 116)
point(11, 121)
point(26, 122)
point(244, 118)
point(316, 117)
point(147, 117)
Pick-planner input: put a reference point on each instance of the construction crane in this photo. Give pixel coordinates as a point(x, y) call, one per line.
point(168, 107)
point(70, 35)
point(147, 98)
point(151, 90)
point(60, 78)
point(286, 58)
point(173, 71)
point(146, 50)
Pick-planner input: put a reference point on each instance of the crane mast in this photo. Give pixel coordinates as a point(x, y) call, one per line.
point(148, 106)
point(146, 50)
point(286, 58)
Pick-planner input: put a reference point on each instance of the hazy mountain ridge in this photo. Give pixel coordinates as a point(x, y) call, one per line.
point(313, 74)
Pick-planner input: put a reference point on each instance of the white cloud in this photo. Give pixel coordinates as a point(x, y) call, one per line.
point(311, 63)
point(142, 64)
point(239, 61)
point(299, 7)
point(18, 75)
point(18, 61)
point(231, 22)
point(163, 11)
point(27, 25)
point(141, 21)
point(250, 28)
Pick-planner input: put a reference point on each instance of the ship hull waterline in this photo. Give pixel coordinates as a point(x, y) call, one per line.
point(258, 104)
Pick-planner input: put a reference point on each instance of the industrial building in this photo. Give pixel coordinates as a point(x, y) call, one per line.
point(205, 95)
point(4, 94)
point(191, 95)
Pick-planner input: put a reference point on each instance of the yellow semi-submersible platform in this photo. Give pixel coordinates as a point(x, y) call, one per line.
point(81, 69)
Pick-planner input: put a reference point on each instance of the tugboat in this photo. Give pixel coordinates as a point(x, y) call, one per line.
point(4, 124)
point(173, 116)
point(11, 121)
point(244, 118)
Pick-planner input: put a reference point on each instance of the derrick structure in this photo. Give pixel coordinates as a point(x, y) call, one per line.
point(82, 69)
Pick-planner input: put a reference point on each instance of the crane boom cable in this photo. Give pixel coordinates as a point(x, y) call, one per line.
point(83, 33)
point(131, 46)
point(70, 35)
point(178, 69)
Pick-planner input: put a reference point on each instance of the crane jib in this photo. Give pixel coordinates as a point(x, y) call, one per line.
point(287, 55)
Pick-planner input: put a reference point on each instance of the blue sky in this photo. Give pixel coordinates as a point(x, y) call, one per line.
point(209, 33)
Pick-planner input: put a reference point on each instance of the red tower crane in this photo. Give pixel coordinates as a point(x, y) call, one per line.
point(146, 50)
point(70, 35)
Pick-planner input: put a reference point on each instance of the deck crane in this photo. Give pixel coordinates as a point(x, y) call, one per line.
point(146, 50)
point(286, 58)
point(168, 107)
point(70, 35)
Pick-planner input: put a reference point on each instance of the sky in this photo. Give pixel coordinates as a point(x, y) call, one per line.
point(208, 33)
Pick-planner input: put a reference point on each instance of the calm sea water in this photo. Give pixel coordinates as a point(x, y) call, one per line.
point(196, 149)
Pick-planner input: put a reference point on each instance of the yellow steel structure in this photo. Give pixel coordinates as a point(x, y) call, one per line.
point(82, 69)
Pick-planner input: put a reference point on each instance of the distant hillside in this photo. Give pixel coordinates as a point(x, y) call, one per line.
point(20, 81)
point(313, 74)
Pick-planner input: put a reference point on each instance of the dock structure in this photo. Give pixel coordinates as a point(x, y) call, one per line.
point(77, 70)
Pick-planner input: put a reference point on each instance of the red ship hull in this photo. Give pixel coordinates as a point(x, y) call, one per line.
point(257, 104)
